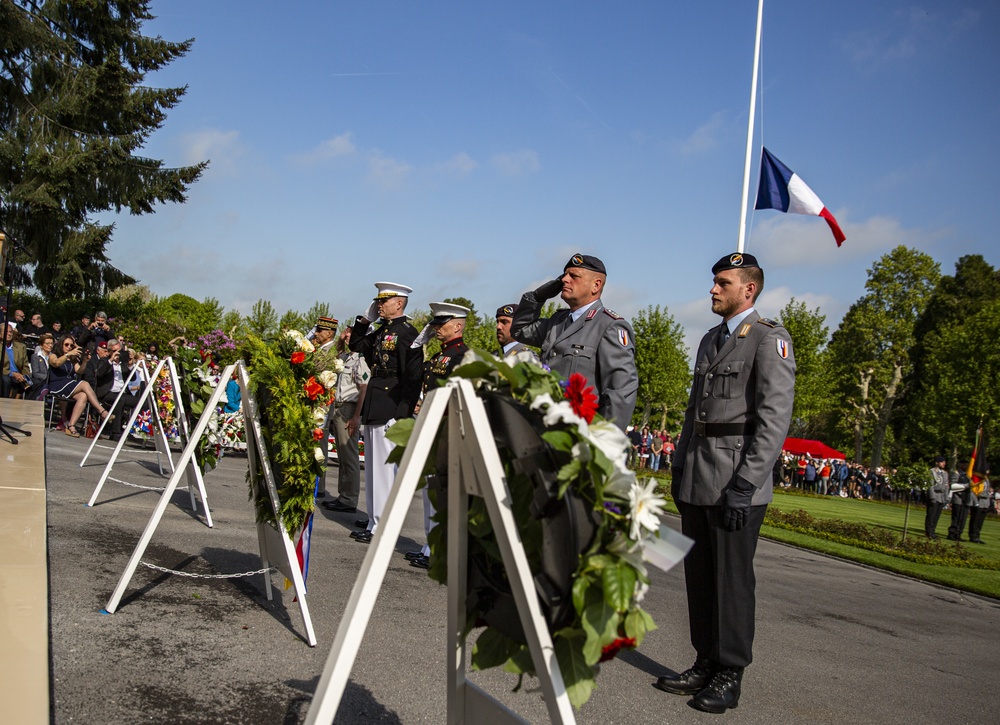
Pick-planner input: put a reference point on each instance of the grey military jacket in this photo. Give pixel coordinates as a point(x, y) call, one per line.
point(600, 346)
point(939, 490)
point(749, 384)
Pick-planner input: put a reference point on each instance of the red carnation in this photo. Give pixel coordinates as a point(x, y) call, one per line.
point(609, 652)
point(317, 434)
point(313, 389)
point(298, 357)
point(581, 397)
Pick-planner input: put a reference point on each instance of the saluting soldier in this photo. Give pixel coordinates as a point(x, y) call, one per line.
point(392, 391)
point(447, 325)
point(734, 426)
point(588, 338)
point(937, 496)
point(508, 345)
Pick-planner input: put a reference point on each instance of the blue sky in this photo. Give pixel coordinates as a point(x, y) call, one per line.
point(469, 148)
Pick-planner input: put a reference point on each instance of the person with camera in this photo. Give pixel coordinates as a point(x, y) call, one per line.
point(65, 364)
point(96, 332)
point(106, 373)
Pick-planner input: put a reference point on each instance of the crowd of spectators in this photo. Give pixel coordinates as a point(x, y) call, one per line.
point(88, 366)
point(652, 450)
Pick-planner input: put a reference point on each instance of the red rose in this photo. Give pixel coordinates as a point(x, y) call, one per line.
point(609, 652)
point(313, 389)
point(317, 434)
point(298, 357)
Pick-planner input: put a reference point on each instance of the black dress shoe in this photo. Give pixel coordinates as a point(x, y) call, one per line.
point(977, 541)
point(721, 693)
point(359, 532)
point(689, 681)
point(338, 506)
point(361, 523)
point(421, 562)
point(364, 537)
point(411, 555)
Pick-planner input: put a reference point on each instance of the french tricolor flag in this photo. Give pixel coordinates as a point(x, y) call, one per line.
point(782, 189)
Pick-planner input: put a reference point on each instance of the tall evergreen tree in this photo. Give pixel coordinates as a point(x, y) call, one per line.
point(73, 117)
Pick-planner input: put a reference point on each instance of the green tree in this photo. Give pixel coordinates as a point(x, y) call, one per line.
point(263, 320)
point(809, 337)
point(937, 413)
point(193, 317)
point(292, 320)
point(662, 363)
point(73, 114)
point(479, 333)
point(319, 309)
point(870, 350)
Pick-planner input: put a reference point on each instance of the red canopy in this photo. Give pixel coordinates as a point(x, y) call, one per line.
point(816, 449)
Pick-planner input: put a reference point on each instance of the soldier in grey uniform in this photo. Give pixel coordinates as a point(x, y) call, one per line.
point(324, 337)
point(735, 424)
point(937, 497)
point(588, 338)
point(979, 506)
point(508, 345)
point(960, 500)
point(352, 385)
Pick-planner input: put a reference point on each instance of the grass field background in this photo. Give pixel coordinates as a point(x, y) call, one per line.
point(891, 516)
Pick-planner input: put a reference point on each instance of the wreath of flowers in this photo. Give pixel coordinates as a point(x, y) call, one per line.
point(163, 392)
point(295, 385)
point(611, 578)
point(199, 376)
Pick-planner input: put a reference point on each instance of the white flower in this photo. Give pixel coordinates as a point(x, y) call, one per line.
point(612, 442)
point(318, 452)
point(338, 365)
point(319, 416)
point(295, 335)
point(328, 379)
point(619, 483)
point(524, 356)
point(647, 506)
point(641, 588)
point(305, 345)
point(581, 452)
point(561, 412)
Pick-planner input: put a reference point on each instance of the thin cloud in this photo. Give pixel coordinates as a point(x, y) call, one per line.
point(460, 164)
point(705, 137)
point(386, 171)
point(788, 240)
point(336, 147)
point(517, 163)
point(222, 148)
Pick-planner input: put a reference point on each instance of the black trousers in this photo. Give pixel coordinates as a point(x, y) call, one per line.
point(127, 402)
point(721, 584)
point(977, 516)
point(933, 516)
point(958, 516)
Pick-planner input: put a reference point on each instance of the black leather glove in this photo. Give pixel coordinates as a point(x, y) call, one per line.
point(549, 290)
point(736, 504)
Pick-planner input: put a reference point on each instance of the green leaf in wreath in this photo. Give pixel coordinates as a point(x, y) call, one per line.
point(580, 585)
point(520, 662)
point(399, 432)
point(577, 675)
point(600, 623)
point(561, 440)
point(637, 624)
point(619, 584)
point(492, 649)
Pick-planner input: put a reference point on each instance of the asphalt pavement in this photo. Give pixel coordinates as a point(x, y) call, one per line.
point(836, 642)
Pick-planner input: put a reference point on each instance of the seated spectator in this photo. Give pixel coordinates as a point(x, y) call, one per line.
point(17, 368)
point(64, 366)
point(56, 328)
point(40, 366)
point(78, 330)
point(99, 331)
point(106, 373)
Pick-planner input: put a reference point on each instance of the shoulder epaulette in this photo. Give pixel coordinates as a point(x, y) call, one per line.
point(768, 322)
point(612, 314)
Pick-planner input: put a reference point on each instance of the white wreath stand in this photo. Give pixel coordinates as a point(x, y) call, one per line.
point(474, 468)
point(276, 547)
point(195, 479)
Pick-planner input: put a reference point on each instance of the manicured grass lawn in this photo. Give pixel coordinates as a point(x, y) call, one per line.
point(890, 516)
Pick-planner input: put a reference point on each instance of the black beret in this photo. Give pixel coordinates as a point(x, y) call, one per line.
point(506, 311)
point(940, 459)
point(737, 260)
point(585, 261)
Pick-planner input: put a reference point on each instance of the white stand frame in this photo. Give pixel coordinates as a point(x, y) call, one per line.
point(275, 545)
point(474, 467)
point(195, 480)
point(136, 369)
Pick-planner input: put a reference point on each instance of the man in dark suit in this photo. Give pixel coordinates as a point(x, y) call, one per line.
point(107, 372)
point(735, 424)
point(393, 390)
point(588, 338)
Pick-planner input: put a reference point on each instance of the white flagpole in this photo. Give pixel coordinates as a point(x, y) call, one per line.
point(753, 108)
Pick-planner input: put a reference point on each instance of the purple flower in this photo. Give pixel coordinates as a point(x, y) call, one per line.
point(612, 508)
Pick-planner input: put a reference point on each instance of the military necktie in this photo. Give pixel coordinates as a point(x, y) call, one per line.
point(721, 338)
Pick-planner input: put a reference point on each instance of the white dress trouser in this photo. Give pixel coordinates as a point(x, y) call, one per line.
point(379, 475)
